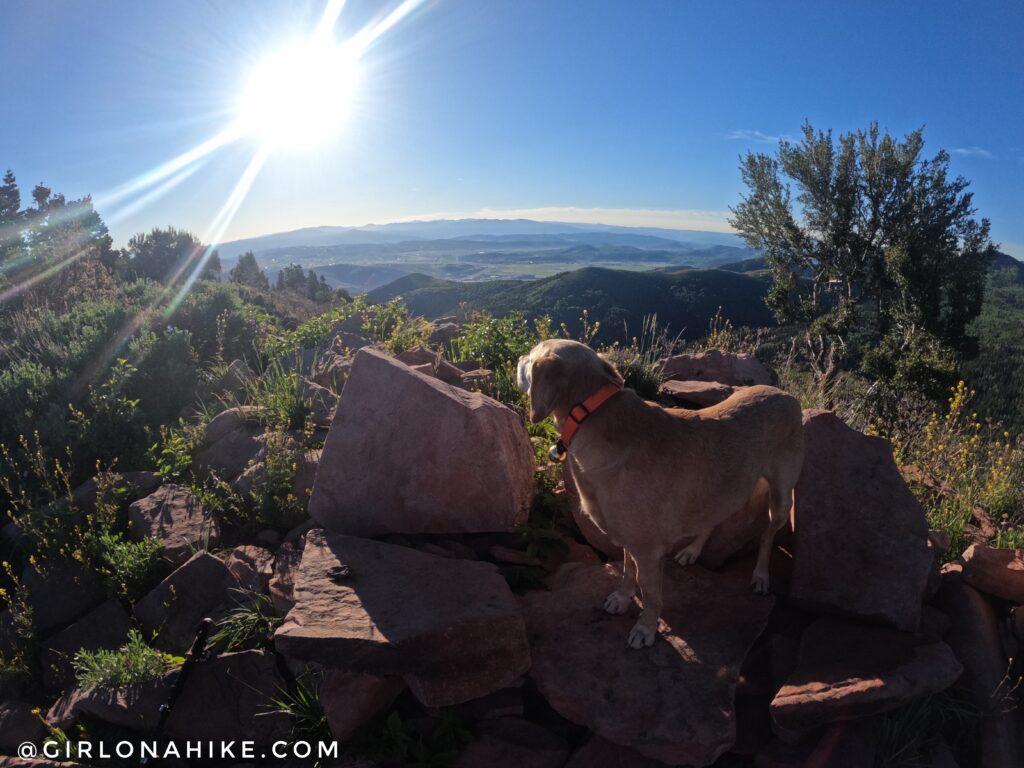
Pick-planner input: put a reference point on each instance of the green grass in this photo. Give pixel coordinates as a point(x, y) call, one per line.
point(252, 622)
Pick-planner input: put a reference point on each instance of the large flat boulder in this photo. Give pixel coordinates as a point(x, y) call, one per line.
point(860, 538)
point(172, 611)
point(848, 670)
point(451, 628)
point(351, 699)
point(175, 516)
point(671, 702)
point(407, 453)
point(737, 370)
point(695, 394)
point(995, 571)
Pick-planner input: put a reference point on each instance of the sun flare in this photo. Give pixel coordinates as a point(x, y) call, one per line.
point(299, 95)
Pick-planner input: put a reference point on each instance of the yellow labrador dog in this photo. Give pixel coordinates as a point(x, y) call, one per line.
point(649, 477)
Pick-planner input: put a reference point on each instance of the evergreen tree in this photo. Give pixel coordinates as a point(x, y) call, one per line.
point(248, 272)
point(10, 220)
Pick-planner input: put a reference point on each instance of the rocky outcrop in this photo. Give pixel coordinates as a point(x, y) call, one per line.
point(737, 370)
point(996, 572)
point(860, 541)
point(695, 394)
point(172, 611)
point(175, 516)
point(848, 670)
point(451, 628)
point(351, 699)
point(18, 724)
point(511, 742)
point(976, 639)
point(251, 566)
point(135, 707)
point(409, 454)
point(228, 698)
point(133, 484)
point(60, 594)
point(321, 402)
point(230, 444)
point(105, 627)
point(672, 702)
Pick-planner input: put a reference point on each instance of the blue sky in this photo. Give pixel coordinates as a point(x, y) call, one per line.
point(621, 112)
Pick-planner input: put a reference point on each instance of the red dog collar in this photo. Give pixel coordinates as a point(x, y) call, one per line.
point(576, 416)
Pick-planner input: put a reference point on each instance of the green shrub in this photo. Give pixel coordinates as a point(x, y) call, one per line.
point(172, 454)
point(494, 341)
point(134, 662)
point(960, 466)
point(127, 567)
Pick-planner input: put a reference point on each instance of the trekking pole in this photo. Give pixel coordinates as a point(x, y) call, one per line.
point(195, 654)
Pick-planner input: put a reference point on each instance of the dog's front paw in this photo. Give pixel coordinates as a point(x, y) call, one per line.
point(617, 603)
point(759, 582)
point(687, 556)
point(640, 636)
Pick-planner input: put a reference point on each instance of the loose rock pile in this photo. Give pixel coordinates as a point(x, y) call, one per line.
point(399, 589)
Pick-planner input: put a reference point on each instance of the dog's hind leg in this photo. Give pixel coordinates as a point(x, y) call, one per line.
point(688, 555)
point(618, 601)
point(780, 503)
point(649, 573)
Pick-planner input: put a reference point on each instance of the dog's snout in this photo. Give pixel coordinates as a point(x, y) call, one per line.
point(523, 374)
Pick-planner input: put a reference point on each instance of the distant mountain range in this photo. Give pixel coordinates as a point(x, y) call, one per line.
point(476, 229)
point(363, 258)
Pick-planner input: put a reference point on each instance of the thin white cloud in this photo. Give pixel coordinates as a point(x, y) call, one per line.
point(708, 221)
point(748, 134)
point(973, 152)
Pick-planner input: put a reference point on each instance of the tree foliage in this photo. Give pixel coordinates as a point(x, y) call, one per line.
point(169, 255)
point(874, 251)
point(247, 272)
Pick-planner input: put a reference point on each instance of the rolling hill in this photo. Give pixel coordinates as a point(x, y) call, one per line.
point(683, 299)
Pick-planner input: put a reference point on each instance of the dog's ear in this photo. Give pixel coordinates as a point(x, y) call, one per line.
point(549, 385)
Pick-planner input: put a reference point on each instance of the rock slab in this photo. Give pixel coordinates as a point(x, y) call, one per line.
point(173, 609)
point(848, 670)
point(995, 571)
point(671, 702)
point(174, 515)
point(407, 453)
point(451, 628)
point(860, 538)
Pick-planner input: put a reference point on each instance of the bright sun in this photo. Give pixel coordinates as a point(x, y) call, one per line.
point(299, 95)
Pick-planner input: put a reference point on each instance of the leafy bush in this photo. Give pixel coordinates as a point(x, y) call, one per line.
point(172, 454)
point(127, 567)
point(221, 324)
point(134, 662)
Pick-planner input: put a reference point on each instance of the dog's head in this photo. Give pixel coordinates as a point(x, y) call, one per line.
point(558, 373)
